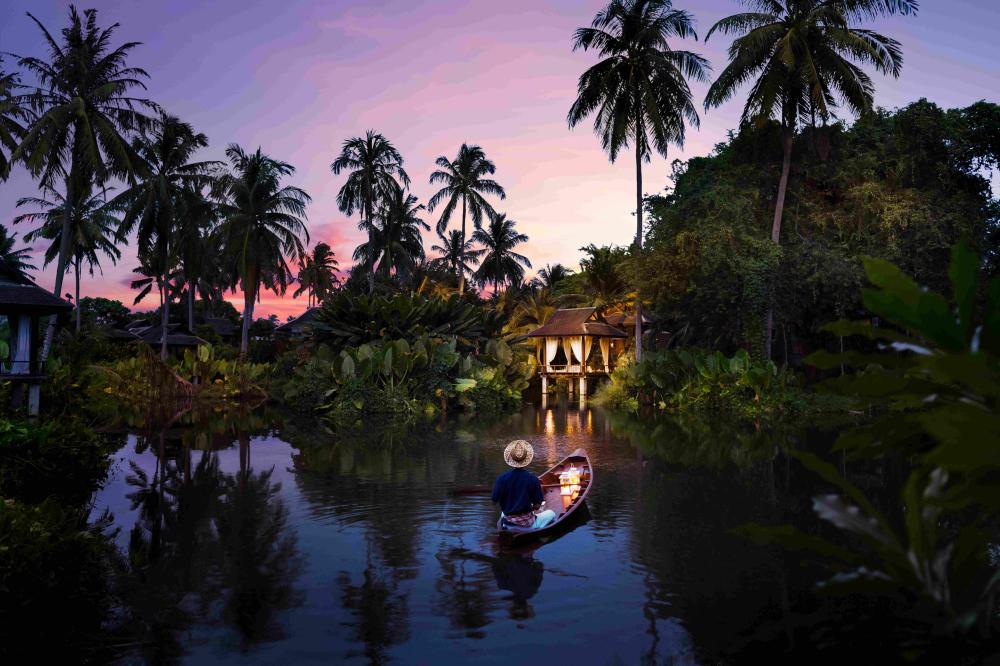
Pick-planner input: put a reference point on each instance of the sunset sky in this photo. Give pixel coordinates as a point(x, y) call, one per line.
point(298, 77)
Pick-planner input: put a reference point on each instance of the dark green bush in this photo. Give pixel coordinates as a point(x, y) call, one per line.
point(66, 461)
point(348, 320)
point(55, 573)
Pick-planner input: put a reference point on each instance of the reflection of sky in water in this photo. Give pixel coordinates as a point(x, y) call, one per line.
point(394, 561)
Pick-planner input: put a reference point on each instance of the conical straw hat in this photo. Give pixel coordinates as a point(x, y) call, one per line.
point(518, 453)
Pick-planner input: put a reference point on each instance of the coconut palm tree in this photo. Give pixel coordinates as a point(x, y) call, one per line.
point(196, 254)
point(263, 226)
point(500, 264)
point(803, 57)
point(464, 179)
point(533, 311)
point(94, 229)
point(318, 274)
point(457, 254)
point(83, 114)
point(14, 113)
point(638, 92)
point(374, 165)
point(550, 276)
point(604, 282)
point(16, 259)
point(154, 207)
point(395, 241)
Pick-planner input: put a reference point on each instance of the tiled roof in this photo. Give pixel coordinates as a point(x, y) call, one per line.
point(19, 294)
point(576, 321)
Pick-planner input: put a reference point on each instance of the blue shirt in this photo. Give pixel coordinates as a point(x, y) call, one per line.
point(517, 491)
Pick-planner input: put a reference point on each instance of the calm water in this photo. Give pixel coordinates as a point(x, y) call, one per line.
point(288, 544)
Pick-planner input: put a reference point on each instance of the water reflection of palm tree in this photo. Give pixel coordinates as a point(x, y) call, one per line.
point(380, 612)
point(260, 560)
point(203, 536)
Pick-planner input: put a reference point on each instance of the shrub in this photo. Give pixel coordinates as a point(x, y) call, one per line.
point(67, 461)
point(54, 581)
point(348, 320)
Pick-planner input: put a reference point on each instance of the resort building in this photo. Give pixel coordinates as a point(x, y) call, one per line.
point(578, 344)
point(301, 326)
point(22, 304)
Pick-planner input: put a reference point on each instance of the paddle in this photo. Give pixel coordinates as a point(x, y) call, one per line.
point(486, 490)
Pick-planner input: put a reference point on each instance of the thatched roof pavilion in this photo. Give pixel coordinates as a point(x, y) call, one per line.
point(564, 345)
point(23, 302)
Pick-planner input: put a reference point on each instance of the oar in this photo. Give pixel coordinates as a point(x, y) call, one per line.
point(487, 490)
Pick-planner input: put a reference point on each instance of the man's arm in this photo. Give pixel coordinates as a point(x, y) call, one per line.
point(496, 491)
point(536, 493)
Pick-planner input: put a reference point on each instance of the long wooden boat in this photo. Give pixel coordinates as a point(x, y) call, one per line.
point(564, 505)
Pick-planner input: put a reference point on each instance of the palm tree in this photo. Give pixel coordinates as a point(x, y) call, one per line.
point(94, 231)
point(456, 253)
point(83, 115)
point(16, 259)
point(13, 113)
point(550, 276)
point(500, 265)
point(464, 178)
point(394, 236)
point(149, 273)
point(601, 275)
point(154, 207)
point(639, 91)
point(801, 56)
point(533, 311)
point(196, 219)
point(374, 164)
point(263, 225)
point(317, 274)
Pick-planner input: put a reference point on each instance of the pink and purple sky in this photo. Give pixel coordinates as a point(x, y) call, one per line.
point(297, 77)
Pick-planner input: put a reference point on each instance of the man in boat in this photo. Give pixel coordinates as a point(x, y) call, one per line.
point(519, 492)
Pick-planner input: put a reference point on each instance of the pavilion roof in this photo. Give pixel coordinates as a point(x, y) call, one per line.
point(307, 318)
point(20, 295)
point(577, 321)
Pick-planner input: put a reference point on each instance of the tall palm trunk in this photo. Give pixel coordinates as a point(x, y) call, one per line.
point(190, 305)
point(249, 294)
point(368, 217)
point(64, 245)
point(638, 246)
point(77, 294)
point(461, 273)
point(779, 207)
point(165, 319)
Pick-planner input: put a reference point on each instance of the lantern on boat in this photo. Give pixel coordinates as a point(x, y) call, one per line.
point(569, 483)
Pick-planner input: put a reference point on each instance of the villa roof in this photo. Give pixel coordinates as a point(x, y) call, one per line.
point(299, 324)
point(20, 295)
point(175, 338)
point(577, 321)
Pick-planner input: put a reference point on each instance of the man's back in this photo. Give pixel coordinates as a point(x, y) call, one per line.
point(517, 491)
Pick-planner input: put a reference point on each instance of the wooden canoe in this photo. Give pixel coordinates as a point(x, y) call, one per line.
point(564, 506)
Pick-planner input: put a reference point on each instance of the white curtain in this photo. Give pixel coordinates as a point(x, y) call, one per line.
point(577, 345)
point(551, 347)
point(588, 343)
point(568, 350)
point(606, 353)
point(21, 356)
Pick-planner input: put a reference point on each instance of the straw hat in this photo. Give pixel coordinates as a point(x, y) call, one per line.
point(518, 453)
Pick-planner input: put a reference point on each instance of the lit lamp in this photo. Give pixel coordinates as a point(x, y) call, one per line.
point(569, 483)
